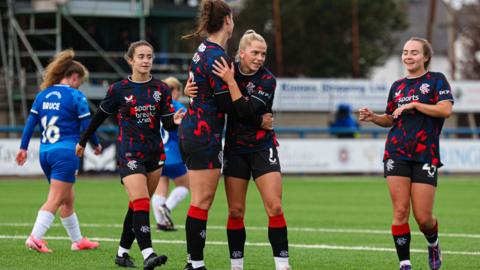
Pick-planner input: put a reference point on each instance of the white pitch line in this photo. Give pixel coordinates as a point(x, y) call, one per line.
point(222, 243)
point(251, 228)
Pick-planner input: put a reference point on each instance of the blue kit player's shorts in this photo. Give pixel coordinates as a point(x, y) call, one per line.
point(175, 170)
point(59, 164)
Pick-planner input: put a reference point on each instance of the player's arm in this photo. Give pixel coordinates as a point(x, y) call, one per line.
point(28, 130)
point(97, 120)
point(240, 104)
point(442, 109)
point(367, 115)
point(84, 123)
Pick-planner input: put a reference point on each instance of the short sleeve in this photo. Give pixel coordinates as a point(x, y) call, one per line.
point(443, 91)
point(266, 90)
point(35, 106)
point(110, 104)
point(391, 105)
point(216, 83)
point(166, 104)
point(81, 104)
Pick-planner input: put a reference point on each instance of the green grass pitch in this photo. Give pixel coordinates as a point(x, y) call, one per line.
point(333, 222)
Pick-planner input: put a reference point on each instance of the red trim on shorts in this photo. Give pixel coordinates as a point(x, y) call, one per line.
point(130, 205)
point(142, 204)
point(277, 221)
point(235, 223)
point(400, 229)
point(197, 213)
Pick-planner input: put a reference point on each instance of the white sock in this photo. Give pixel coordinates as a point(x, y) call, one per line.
point(198, 264)
point(42, 223)
point(280, 262)
point(157, 201)
point(176, 196)
point(405, 262)
point(434, 244)
point(73, 228)
point(236, 262)
point(147, 252)
point(122, 250)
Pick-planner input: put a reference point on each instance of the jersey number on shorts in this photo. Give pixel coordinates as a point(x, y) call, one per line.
point(50, 131)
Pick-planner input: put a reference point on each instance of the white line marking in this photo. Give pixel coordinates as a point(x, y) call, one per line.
point(251, 228)
point(221, 243)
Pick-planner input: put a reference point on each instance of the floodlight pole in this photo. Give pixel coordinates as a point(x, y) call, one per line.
point(278, 37)
point(431, 20)
point(355, 41)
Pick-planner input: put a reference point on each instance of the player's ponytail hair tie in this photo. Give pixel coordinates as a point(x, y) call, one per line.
point(210, 18)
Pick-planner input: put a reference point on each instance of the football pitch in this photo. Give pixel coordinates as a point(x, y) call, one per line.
point(333, 223)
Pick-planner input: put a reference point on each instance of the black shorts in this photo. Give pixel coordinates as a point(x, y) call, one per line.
point(416, 171)
point(200, 157)
point(251, 164)
point(144, 166)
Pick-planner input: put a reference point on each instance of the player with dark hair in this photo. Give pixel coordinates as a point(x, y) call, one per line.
point(140, 103)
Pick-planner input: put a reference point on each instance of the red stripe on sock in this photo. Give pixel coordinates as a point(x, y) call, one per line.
point(400, 229)
point(277, 221)
point(142, 204)
point(130, 205)
point(197, 213)
point(235, 223)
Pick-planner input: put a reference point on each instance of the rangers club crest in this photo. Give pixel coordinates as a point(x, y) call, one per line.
point(250, 87)
point(157, 96)
point(425, 88)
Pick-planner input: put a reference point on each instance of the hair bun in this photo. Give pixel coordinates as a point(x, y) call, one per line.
point(249, 31)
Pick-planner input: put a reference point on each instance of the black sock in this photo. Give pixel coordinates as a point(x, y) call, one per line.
point(236, 236)
point(277, 235)
point(128, 236)
point(432, 234)
point(401, 237)
point(196, 232)
point(141, 223)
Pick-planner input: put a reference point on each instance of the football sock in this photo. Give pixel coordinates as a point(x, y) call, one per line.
point(401, 237)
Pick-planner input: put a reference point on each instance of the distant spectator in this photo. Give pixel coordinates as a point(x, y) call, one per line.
point(344, 119)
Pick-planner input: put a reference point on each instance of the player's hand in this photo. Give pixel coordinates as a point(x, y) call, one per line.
point(224, 71)
point(267, 121)
point(191, 88)
point(178, 116)
point(402, 108)
point(79, 150)
point(21, 157)
point(98, 150)
point(366, 115)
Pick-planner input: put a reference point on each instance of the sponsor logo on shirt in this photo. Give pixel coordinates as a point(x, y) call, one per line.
point(444, 92)
point(128, 99)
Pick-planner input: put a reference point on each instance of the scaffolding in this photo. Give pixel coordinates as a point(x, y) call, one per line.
point(19, 82)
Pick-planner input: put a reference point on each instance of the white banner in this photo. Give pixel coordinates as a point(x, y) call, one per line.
point(365, 155)
point(324, 95)
point(106, 161)
point(296, 156)
point(8, 152)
